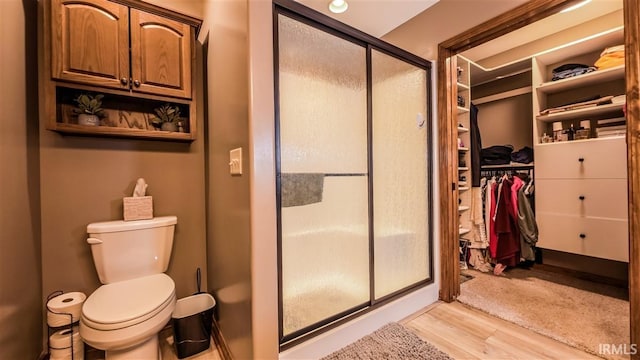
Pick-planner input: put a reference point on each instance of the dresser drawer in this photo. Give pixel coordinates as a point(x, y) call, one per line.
point(603, 238)
point(594, 158)
point(604, 198)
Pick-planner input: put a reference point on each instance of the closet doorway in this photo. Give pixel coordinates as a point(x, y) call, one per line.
point(447, 123)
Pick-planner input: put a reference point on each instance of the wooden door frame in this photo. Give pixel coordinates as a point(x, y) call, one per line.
point(523, 15)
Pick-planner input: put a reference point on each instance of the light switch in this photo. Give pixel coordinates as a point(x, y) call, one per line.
point(235, 161)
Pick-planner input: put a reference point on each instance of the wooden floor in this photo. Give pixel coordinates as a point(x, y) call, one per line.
point(467, 333)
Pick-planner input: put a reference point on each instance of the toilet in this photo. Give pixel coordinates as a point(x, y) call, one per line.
point(124, 316)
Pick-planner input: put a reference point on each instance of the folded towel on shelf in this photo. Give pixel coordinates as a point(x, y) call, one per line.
point(524, 155)
point(297, 189)
point(611, 57)
point(496, 155)
point(578, 105)
point(570, 70)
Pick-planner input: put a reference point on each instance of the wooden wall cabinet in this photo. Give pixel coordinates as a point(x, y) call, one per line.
point(126, 50)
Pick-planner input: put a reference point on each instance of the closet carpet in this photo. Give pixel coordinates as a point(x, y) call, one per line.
point(579, 313)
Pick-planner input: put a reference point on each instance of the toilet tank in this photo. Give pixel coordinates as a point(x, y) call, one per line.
point(124, 250)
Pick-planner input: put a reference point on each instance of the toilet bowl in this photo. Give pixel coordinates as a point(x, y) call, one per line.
point(124, 318)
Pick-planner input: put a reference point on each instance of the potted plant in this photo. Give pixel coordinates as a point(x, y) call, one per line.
point(89, 109)
point(167, 117)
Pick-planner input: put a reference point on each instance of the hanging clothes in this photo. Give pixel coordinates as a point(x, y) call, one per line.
point(527, 224)
point(478, 229)
point(475, 146)
point(507, 230)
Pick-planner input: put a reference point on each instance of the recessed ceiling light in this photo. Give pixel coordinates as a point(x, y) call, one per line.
point(340, 6)
point(576, 6)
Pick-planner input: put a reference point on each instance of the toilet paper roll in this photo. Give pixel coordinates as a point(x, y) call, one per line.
point(59, 308)
point(61, 339)
point(60, 344)
point(65, 354)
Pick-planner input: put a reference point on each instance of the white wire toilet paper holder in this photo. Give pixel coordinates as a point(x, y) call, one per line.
point(53, 329)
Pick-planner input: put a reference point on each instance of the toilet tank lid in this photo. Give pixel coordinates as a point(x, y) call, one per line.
point(121, 225)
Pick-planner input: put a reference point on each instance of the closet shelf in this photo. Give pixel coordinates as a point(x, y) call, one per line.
point(462, 231)
point(463, 208)
point(464, 168)
point(463, 149)
point(581, 113)
point(462, 129)
point(463, 86)
point(507, 166)
point(591, 78)
point(462, 183)
point(462, 110)
point(463, 188)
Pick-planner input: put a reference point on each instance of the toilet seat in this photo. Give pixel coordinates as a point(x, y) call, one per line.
point(127, 303)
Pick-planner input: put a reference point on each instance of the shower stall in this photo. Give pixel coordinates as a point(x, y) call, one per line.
point(353, 140)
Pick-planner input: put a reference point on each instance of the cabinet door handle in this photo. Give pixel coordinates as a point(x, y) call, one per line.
point(581, 197)
point(581, 159)
point(582, 236)
point(136, 83)
point(124, 81)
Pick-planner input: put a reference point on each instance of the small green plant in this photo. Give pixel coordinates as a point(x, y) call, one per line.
point(88, 104)
point(166, 113)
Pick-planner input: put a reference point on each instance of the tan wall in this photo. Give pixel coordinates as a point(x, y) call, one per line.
point(83, 180)
point(228, 218)
point(506, 121)
point(20, 272)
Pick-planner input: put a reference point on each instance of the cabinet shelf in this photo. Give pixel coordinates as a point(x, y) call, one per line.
point(463, 168)
point(463, 149)
point(600, 110)
point(463, 188)
point(462, 129)
point(134, 75)
point(462, 231)
point(121, 132)
point(462, 110)
point(591, 78)
point(463, 208)
point(462, 86)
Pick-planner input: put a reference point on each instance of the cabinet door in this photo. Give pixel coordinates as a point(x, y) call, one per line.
point(601, 198)
point(90, 42)
point(597, 237)
point(160, 55)
point(604, 158)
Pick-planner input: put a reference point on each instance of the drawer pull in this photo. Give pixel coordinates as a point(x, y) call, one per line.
point(582, 236)
point(581, 197)
point(581, 159)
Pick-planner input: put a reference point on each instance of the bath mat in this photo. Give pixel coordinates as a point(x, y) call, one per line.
point(391, 342)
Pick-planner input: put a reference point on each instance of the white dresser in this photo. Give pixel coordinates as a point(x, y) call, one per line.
point(581, 197)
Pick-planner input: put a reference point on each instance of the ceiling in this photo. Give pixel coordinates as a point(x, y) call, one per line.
point(418, 26)
point(374, 17)
point(542, 28)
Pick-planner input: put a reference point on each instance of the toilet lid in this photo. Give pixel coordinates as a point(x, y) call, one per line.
point(124, 301)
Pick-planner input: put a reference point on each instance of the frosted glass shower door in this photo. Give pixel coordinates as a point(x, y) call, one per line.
point(400, 174)
point(322, 176)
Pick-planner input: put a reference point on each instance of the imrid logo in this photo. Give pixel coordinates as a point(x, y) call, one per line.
point(618, 349)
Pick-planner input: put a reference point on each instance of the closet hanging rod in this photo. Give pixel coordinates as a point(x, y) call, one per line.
point(507, 167)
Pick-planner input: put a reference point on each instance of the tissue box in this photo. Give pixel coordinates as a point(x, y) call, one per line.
point(138, 208)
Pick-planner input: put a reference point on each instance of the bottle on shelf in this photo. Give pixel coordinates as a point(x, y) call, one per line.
point(570, 133)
